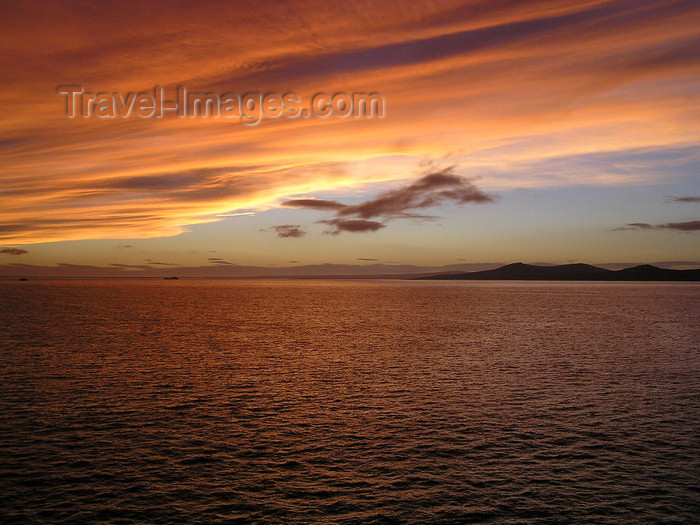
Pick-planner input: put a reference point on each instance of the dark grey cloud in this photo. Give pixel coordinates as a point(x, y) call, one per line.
point(352, 225)
point(314, 204)
point(689, 198)
point(132, 266)
point(187, 189)
point(13, 251)
point(366, 259)
point(10, 228)
point(286, 231)
point(433, 188)
point(175, 181)
point(637, 226)
point(689, 226)
point(217, 260)
point(158, 263)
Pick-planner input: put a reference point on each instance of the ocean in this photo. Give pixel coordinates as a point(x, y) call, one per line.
point(331, 401)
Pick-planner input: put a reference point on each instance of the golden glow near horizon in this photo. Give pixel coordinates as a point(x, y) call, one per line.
point(523, 95)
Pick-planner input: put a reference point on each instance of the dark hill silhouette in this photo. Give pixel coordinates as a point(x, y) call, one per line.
point(573, 272)
point(646, 272)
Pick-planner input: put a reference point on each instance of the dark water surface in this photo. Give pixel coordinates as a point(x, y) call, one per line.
point(130, 401)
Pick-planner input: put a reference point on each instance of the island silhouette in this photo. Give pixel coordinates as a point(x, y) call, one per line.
point(571, 272)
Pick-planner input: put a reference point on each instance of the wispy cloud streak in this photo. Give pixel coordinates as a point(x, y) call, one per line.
point(13, 251)
point(689, 198)
point(689, 226)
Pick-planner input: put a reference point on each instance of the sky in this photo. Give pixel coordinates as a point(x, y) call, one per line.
point(537, 131)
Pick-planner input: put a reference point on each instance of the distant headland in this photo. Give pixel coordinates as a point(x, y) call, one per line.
point(571, 272)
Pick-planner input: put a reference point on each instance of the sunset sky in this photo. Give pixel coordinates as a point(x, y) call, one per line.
point(515, 130)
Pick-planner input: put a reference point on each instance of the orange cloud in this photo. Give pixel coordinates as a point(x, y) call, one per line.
point(505, 88)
